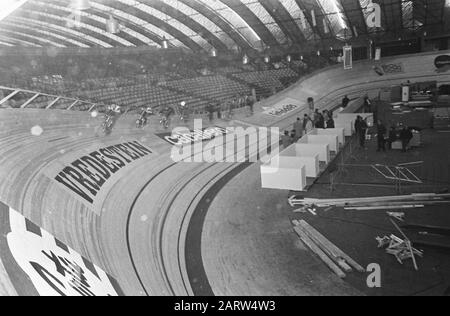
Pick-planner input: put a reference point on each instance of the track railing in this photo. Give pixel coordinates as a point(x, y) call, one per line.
point(26, 99)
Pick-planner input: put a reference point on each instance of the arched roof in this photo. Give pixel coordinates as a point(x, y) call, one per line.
point(221, 24)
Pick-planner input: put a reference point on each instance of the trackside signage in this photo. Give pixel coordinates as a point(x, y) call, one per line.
point(283, 108)
point(39, 264)
point(442, 61)
point(183, 136)
point(86, 175)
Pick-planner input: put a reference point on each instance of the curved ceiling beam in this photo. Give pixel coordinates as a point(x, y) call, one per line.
point(83, 28)
point(58, 22)
point(429, 12)
point(36, 29)
point(144, 28)
point(392, 16)
point(299, 18)
point(6, 44)
point(31, 38)
point(284, 20)
point(327, 13)
point(308, 6)
point(180, 36)
point(346, 12)
point(104, 12)
point(183, 18)
point(153, 38)
point(83, 38)
point(220, 22)
point(141, 6)
point(253, 21)
point(355, 16)
point(94, 15)
point(96, 29)
point(18, 42)
point(204, 21)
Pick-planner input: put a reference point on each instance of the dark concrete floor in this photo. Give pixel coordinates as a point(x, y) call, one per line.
point(248, 241)
point(355, 231)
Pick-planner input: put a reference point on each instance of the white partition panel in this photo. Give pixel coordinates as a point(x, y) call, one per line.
point(312, 166)
point(323, 150)
point(339, 132)
point(284, 174)
point(331, 140)
point(346, 124)
point(311, 163)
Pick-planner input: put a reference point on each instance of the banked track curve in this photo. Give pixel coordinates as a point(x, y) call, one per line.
point(145, 211)
point(163, 214)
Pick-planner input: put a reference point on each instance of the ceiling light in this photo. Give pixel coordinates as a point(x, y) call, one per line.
point(112, 25)
point(80, 5)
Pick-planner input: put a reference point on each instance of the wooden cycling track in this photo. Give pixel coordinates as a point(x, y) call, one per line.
point(141, 229)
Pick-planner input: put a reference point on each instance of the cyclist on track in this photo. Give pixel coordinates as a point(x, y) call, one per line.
point(166, 114)
point(143, 118)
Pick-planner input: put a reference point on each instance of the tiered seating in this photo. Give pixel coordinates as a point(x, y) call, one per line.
point(248, 67)
point(269, 79)
point(212, 87)
point(298, 63)
point(228, 70)
point(143, 95)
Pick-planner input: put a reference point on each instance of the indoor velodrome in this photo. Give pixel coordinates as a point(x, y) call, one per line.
point(225, 148)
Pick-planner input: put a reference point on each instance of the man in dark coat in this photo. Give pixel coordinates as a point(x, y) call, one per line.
point(345, 101)
point(392, 137)
point(405, 136)
point(286, 140)
point(330, 122)
point(361, 129)
point(298, 127)
point(210, 108)
point(381, 136)
point(367, 107)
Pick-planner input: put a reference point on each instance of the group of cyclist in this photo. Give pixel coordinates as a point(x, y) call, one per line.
point(113, 113)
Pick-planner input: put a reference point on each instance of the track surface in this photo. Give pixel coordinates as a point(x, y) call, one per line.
point(146, 227)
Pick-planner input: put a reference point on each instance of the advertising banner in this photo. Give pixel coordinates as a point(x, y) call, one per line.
point(284, 107)
point(348, 57)
point(38, 264)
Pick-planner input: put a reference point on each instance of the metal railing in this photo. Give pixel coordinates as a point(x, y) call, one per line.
point(26, 99)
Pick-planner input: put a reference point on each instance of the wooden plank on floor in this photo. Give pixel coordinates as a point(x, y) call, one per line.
point(330, 253)
point(322, 255)
point(312, 232)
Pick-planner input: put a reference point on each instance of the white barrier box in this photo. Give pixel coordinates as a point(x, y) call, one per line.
point(305, 149)
point(347, 125)
point(311, 163)
point(339, 132)
point(288, 175)
point(331, 140)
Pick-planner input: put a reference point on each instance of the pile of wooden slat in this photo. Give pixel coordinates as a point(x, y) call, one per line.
point(402, 249)
point(374, 203)
point(399, 248)
point(338, 261)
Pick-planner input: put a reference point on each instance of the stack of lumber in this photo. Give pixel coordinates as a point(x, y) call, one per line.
point(399, 248)
point(402, 249)
point(375, 203)
point(338, 261)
